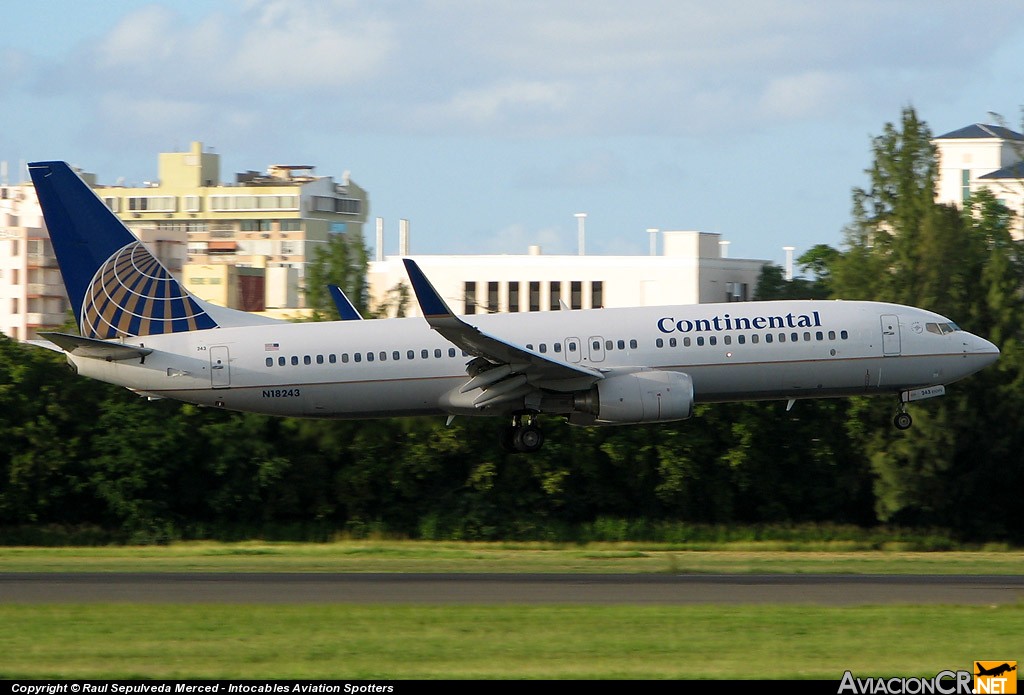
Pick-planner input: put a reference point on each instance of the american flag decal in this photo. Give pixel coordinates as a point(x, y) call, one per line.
point(271, 346)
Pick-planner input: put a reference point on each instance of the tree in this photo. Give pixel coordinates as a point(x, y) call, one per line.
point(903, 247)
point(342, 261)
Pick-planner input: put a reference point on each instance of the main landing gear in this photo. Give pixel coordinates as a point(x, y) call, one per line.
point(522, 437)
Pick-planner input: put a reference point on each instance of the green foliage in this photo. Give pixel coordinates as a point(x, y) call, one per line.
point(342, 261)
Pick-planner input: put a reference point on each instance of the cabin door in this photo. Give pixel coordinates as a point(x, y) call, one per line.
point(220, 369)
point(595, 344)
point(890, 334)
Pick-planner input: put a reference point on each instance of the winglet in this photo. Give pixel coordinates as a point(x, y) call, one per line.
point(431, 304)
point(346, 309)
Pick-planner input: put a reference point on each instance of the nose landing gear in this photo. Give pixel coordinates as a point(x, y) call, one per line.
point(902, 421)
point(520, 437)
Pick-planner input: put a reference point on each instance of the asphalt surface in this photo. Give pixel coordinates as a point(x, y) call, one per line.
point(287, 588)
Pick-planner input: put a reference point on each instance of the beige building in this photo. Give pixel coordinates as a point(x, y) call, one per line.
point(243, 244)
point(272, 220)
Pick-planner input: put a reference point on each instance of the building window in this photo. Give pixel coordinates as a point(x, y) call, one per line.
point(965, 185)
point(291, 225)
point(736, 291)
point(534, 296)
point(576, 294)
point(492, 296)
point(597, 294)
point(152, 203)
point(192, 203)
point(513, 296)
point(469, 293)
point(556, 295)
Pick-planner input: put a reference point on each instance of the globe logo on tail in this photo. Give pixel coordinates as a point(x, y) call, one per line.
point(132, 294)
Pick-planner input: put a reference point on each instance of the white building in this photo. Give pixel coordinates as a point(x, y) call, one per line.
point(32, 295)
point(691, 269)
point(982, 156)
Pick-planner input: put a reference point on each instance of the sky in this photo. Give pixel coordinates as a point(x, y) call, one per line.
point(490, 125)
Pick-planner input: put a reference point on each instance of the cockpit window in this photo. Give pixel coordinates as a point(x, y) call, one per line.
point(941, 328)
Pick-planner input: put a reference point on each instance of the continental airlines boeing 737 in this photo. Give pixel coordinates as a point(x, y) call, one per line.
point(140, 329)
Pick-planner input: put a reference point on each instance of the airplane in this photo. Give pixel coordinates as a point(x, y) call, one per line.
point(995, 670)
point(615, 366)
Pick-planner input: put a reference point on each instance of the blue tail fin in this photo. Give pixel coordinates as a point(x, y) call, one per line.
point(116, 286)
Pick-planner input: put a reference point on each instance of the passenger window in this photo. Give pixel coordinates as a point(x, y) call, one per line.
point(795, 337)
point(607, 345)
point(270, 361)
point(700, 340)
point(686, 341)
point(713, 340)
point(451, 352)
point(307, 360)
point(396, 355)
point(659, 343)
point(572, 347)
point(741, 339)
point(425, 354)
point(557, 347)
point(410, 355)
point(529, 346)
point(543, 348)
point(755, 339)
point(369, 357)
point(280, 361)
point(819, 336)
point(807, 336)
point(632, 344)
point(844, 335)
point(596, 345)
point(671, 342)
point(728, 340)
point(383, 356)
point(768, 337)
point(319, 359)
point(344, 357)
point(332, 358)
point(437, 353)
point(295, 360)
point(621, 344)
point(782, 337)
point(358, 357)
point(831, 335)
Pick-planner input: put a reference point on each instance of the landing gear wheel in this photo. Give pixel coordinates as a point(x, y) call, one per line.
point(528, 439)
point(902, 421)
point(507, 438)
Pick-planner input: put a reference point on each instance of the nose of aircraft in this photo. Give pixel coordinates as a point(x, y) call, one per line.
point(988, 351)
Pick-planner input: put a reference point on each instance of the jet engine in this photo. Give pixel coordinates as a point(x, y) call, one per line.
point(641, 396)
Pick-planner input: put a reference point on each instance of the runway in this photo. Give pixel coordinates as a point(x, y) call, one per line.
point(607, 589)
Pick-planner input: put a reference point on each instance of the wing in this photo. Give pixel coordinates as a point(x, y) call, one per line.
point(501, 368)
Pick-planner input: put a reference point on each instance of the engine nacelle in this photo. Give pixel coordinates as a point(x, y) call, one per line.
point(644, 396)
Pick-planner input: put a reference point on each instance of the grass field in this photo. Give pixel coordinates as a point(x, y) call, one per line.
point(422, 556)
point(504, 642)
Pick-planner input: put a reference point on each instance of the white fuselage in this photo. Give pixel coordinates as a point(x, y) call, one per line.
point(394, 367)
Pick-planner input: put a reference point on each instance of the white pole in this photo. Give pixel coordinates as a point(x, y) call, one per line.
point(581, 217)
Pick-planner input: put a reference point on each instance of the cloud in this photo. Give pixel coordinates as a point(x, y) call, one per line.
point(523, 68)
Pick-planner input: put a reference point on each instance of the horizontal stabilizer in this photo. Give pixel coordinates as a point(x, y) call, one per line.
point(97, 349)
